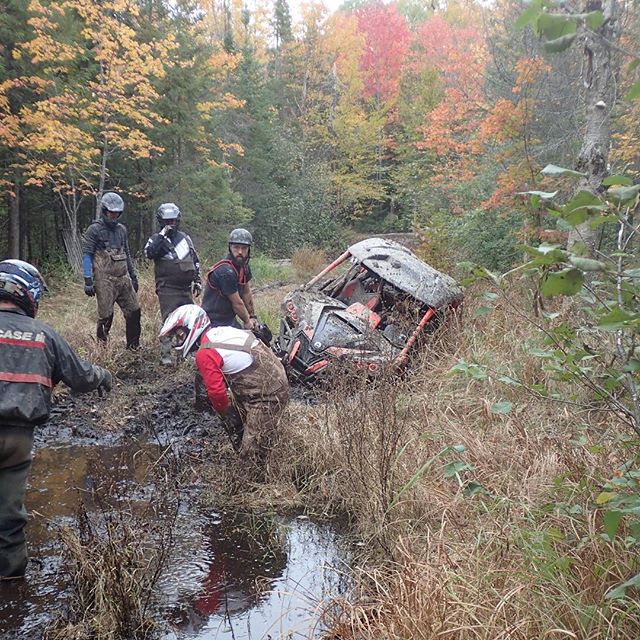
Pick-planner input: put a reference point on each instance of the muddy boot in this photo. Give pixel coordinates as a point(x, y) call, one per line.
point(103, 328)
point(165, 353)
point(132, 330)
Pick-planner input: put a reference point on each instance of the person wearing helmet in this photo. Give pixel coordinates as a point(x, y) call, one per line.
point(227, 292)
point(234, 362)
point(176, 267)
point(109, 273)
point(33, 359)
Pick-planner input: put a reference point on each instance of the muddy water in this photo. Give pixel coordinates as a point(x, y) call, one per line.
point(228, 577)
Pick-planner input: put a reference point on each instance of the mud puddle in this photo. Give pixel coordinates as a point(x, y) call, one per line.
point(230, 576)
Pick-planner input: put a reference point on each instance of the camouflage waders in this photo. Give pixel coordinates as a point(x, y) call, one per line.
point(15, 462)
point(113, 286)
point(261, 392)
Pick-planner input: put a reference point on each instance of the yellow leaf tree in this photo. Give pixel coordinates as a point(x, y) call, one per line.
point(94, 93)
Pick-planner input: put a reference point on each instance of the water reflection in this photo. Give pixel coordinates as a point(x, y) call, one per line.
point(263, 579)
point(236, 577)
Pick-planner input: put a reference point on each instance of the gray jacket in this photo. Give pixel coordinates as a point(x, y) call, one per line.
point(33, 359)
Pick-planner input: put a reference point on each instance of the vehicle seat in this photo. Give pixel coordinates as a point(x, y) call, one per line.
point(353, 291)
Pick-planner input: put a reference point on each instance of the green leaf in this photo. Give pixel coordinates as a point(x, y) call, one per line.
point(473, 488)
point(633, 65)
point(510, 381)
point(556, 25)
point(600, 220)
point(615, 319)
point(632, 366)
point(559, 44)
point(609, 180)
point(567, 282)
point(606, 496)
point(501, 407)
point(593, 19)
point(489, 295)
point(452, 469)
point(577, 210)
point(620, 591)
point(611, 523)
point(554, 170)
point(587, 264)
point(582, 199)
point(529, 15)
point(481, 311)
point(546, 254)
point(622, 194)
point(634, 92)
point(471, 369)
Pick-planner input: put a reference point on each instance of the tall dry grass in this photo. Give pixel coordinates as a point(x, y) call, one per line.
point(477, 524)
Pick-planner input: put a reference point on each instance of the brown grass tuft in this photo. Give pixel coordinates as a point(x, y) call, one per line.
point(307, 261)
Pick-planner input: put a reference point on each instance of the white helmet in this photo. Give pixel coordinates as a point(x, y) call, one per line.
point(185, 325)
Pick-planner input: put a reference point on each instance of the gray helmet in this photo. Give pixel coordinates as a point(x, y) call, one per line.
point(240, 236)
point(112, 202)
point(168, 211)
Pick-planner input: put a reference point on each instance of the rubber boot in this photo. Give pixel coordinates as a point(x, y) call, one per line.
point(103, 328)
point(165, 352)
point(132, 330)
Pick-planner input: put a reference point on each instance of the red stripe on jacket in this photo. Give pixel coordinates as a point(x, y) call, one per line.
point(22, 343)
point(7, 376)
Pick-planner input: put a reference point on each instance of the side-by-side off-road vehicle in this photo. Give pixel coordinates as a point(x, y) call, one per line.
point(372, 314)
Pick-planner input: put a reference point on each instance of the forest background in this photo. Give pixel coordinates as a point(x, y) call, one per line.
point(376, 118)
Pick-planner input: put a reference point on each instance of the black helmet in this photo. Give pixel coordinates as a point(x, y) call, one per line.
point(263, 333)
point(112, 202)
point(240, 236)
point(21, 283)
point(168, 211)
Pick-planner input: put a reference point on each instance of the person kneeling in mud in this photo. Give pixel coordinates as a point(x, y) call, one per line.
point(246, 383)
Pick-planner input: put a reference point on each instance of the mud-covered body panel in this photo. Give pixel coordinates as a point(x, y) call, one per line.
point(370, 315)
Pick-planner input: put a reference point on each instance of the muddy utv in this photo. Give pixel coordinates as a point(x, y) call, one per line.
point(381, 304)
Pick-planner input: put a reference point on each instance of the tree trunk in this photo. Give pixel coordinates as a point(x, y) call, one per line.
point(601, 65)
point(14, 220)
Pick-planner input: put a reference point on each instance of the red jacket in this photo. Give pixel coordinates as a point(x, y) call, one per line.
point(209, 363)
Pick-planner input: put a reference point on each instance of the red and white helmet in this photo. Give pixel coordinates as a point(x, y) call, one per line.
point(185, 325)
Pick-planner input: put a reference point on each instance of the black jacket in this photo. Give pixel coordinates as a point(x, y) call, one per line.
point(176, 263)
point(101, 236)
point(33, 359)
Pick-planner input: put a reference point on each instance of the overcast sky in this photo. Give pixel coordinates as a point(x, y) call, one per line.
point(294, 6)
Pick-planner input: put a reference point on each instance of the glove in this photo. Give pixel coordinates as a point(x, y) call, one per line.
point(134, 283)
point(252, 324)
point(232, 423)
point(89, 289)
point(196, 288)
point(106, 384)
